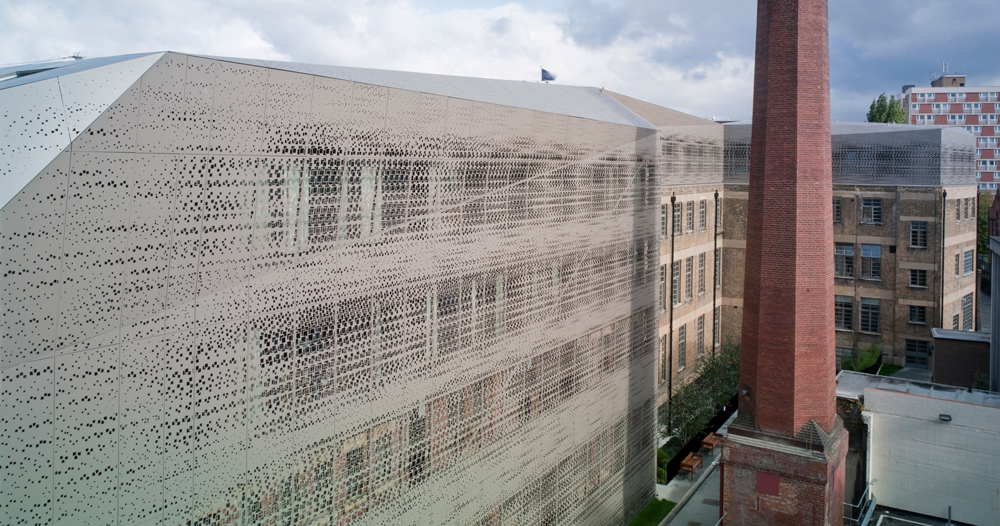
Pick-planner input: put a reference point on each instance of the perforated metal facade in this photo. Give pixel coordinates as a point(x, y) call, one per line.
point(877, 154)
point(235, 293)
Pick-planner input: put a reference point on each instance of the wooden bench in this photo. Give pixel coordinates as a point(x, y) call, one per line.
point(690, 463)
point(712, 441)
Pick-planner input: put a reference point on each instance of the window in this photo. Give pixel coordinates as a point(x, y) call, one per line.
point(718, 212)
point(663, 359)
point(958, 264)
point(663, 287)
point(871, 261)
point(967, 312)
point(837, 214)
point(675, 282)
point(967, 267)
point(965, 210)
point(958, 210)
point(716, 335)
point(718, 267)
point(871, 210)
point(681, 347)
point(677, 219)
point(690, 216)
point(701, 273)
point(918, 278)
point(918, 314)
point(918, 234)
point(955, 322)
point(688, 282)
point(701, 335)
point(869, 315)
point(843, 260)
point(917, 352)
point(663, 220)
point(844, 311)
point(702, 215)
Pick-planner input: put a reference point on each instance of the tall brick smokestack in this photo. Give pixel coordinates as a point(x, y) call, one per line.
point(783, 460)
point(788, 360)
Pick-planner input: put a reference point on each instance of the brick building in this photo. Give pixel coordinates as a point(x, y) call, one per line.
point(689, 179)
point(904, 203)
point(948, 101)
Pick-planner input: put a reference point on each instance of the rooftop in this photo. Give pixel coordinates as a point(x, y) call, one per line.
point(852, 385)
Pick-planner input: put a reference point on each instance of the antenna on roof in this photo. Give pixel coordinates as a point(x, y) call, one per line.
point(75, 56)
point(933, 75)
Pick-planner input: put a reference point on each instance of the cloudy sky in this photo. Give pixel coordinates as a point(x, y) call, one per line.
point(691, 55)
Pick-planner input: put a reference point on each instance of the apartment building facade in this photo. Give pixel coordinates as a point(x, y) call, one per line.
point(904, 236)
point(949, 102)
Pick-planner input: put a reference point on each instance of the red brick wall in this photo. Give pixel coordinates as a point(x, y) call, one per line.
point(788, 338)
point(810, 491)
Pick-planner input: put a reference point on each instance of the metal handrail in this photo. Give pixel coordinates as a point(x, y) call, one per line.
point(721, 518)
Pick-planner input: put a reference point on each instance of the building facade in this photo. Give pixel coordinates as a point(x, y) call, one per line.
point(904, 224)
point(249, 292)
point(688, 290)
point(977, 108)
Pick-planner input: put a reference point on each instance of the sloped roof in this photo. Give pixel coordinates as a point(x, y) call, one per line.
point(574, 101)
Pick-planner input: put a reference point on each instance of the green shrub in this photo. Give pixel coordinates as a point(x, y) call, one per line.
point(661, 476)
point(865, 359)
point(868, 357)
point(847, 363)
point(694, 404)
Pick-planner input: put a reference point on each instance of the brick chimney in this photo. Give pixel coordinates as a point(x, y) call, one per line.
point(783, 460)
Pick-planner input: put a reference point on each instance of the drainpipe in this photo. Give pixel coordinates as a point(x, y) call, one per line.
point(715, 280)
point(670, 334)
point(944, 228)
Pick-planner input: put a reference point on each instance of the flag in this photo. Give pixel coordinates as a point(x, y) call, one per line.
point(546, 76)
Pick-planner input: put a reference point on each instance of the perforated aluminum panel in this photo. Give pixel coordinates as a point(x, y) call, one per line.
point(247, 295)
point(878, 154)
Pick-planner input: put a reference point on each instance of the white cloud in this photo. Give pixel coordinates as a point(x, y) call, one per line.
point(506, 41)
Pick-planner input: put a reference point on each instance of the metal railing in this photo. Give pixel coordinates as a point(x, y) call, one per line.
point(721, 519)
point(860, 513)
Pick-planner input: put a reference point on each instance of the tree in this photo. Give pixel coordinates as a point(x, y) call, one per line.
point(983, 222)
point(883, 110)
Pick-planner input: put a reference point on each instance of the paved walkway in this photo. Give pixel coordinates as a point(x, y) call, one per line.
point(702, 506)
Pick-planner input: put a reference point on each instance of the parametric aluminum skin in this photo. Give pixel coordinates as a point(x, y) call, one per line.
point(248, 292)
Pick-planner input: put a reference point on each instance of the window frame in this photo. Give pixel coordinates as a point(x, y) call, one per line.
point(918, 315)
point(690, 216)
point(681, 347)
point(871, 265)
point(701, 274)
point(843, 313)
point(675, 282)
point(689, 278)
point(969, 262)
point(702, 214)
point(870, 315)
point(701, 335)
point(918, 278)
point(678, 225)
point(838, 214)
point(919, 234)
point(871, 210)
point(843, 261)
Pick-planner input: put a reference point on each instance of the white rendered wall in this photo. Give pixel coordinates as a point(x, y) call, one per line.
point(922, 464)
